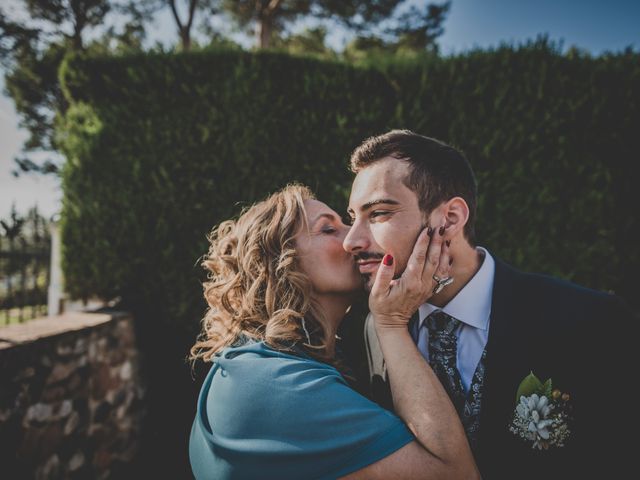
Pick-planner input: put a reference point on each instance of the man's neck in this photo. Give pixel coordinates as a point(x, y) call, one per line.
point(467, 260)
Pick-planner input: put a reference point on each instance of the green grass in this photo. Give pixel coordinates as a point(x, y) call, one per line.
point(12, 315)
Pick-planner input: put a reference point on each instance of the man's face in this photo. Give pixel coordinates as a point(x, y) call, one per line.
point(386, 217)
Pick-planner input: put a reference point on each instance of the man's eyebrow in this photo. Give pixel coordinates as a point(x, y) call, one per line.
point(373, 203)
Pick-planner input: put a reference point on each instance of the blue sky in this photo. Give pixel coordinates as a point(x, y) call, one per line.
point(595, 26)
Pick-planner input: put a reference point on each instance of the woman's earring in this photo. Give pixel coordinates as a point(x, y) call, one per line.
point(304, 327)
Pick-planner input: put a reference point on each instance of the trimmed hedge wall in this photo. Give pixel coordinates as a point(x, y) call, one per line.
point(162, 147)
point(553, 140)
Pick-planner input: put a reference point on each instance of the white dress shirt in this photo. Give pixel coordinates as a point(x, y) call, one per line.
point(472, 306)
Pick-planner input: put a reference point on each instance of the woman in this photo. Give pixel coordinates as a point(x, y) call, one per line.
point(274, 404)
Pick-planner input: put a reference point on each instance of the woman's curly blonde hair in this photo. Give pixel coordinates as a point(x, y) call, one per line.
point(255, 287)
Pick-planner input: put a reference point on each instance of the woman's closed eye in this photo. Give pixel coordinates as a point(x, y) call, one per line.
point(328, 229)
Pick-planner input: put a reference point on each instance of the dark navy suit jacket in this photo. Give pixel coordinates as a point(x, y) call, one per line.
point(585, 341)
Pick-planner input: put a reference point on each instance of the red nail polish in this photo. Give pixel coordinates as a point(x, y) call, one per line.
point(441, 231)
point(387, 260)
point(430, 231)
point(448, 242)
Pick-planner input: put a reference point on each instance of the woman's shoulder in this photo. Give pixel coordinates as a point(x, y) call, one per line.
point(263, 389)
point(256, 365)
point(254, 352)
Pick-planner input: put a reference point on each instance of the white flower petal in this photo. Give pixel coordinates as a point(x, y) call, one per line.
point(522, 410)
point(532, 427)
point(544, 423)
point(546, 411)
point(544, 401)
point(535, 415)
point(544, 433)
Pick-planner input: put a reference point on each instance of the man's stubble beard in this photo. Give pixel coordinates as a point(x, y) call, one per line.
point(367, 281)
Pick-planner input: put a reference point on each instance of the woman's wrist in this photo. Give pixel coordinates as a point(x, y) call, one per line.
point(390, 319)
point(390, 327)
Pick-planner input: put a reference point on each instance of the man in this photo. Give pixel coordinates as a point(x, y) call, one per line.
point(491, 326)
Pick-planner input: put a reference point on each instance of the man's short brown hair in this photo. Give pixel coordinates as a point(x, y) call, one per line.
point(438, 172)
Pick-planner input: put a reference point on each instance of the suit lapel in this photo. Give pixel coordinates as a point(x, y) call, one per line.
point(503, 368)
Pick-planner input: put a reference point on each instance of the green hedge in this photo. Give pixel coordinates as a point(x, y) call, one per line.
point(162, 147)
point(553, 140)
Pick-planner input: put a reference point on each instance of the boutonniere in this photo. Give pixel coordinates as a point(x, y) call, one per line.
point(542, 414)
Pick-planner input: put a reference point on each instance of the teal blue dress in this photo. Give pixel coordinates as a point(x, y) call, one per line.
point(266, 414)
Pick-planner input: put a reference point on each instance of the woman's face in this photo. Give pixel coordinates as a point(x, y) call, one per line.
point(330, 268)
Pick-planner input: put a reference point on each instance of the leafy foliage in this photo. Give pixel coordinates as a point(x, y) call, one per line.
point(413, 32)
point(32, 49)
point(551, 139)
point(268, 19)
point(161, 147)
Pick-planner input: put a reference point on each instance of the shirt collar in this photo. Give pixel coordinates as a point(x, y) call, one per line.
point(472, 304)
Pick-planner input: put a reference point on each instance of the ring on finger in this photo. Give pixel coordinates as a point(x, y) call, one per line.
point(437, 279)
point(441, 283)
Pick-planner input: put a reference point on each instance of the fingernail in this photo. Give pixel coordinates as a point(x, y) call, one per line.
point(448, 242)
point(450, 261)
point(430, 231)
point(441, 231)
point(387, 260)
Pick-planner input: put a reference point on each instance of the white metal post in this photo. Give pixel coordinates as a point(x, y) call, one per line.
point(55, 295)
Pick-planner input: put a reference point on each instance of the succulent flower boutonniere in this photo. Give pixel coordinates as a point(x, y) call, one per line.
point(542, 414)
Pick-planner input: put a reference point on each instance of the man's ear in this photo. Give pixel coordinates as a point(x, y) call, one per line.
point(456, 214)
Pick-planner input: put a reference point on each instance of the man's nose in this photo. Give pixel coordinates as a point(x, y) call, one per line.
point(355, 240)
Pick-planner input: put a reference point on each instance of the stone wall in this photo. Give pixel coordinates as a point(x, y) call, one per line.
point(70, 397)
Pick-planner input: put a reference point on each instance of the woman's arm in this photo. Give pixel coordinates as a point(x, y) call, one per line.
point(441, 449)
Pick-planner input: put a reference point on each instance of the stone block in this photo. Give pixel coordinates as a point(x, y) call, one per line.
point(71, 423)
point(76, 461)
point(60, 371)
point(126, 371)
point(40, 412)
point(101, 381)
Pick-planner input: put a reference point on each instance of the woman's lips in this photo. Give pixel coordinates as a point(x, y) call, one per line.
point(368, 266)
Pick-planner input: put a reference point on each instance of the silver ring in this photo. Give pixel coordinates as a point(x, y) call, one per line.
point(441, 283)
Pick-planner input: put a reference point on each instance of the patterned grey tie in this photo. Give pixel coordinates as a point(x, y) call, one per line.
point(471, 416)
point(443, 348)
point(443, 343)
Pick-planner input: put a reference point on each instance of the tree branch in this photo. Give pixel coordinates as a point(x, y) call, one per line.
point(273, 6)
point(192, 9)
point(172, 4)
